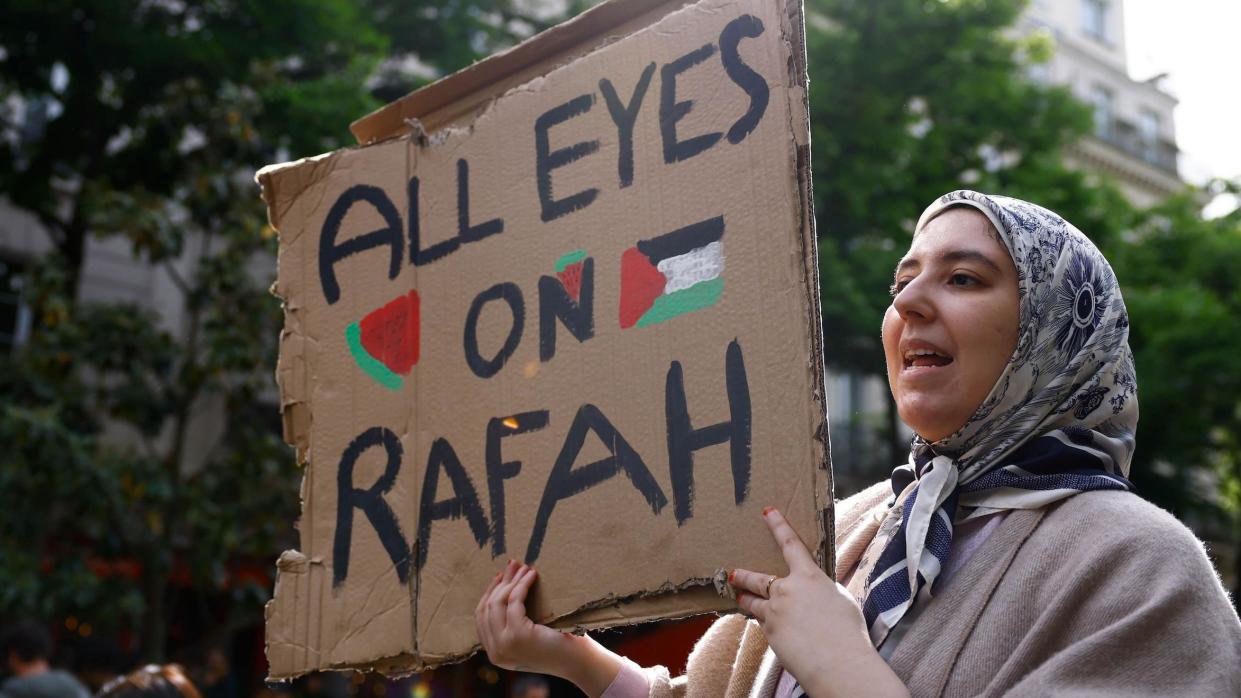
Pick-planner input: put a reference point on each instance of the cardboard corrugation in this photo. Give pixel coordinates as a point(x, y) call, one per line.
point(369, 621)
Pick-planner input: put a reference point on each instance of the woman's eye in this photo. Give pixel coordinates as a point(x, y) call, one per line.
point(897, 287)
point(963, 280)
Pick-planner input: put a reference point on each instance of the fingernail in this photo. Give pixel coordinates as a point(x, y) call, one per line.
point(768, 510)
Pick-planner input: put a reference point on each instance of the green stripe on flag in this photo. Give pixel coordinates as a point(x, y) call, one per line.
point(369, 364)
point(570, 259)
point(670, 305)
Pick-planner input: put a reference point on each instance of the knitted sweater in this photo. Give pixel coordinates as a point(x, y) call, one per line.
point(1100, 594)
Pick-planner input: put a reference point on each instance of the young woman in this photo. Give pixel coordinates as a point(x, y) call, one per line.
point(1009, 555)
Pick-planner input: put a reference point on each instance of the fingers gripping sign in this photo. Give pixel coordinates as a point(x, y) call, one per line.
point(508, 635)
point(764, 588)
point(514, 641)
point(811, 622)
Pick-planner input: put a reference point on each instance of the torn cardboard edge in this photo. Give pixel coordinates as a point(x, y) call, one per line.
point(604, 615)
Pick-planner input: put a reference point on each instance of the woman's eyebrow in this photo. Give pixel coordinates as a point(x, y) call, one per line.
point(950, 257)
point(970, 256)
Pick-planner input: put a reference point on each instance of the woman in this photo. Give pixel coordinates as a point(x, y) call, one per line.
point(1009, 555)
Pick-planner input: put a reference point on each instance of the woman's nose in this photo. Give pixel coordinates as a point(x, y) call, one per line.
point(914, 301)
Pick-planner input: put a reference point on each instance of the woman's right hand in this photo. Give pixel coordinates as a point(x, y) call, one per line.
point(513, 641)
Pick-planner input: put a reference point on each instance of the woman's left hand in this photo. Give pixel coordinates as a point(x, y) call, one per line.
point(812, 623)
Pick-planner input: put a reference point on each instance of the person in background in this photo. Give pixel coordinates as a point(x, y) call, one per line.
point(26, 647)
point(151, 681)
point(530, 686)
point(217, 679)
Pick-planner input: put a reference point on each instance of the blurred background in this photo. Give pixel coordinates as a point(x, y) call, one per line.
point(146, 491)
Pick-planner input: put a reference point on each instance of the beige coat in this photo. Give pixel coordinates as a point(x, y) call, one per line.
point(1099, 594)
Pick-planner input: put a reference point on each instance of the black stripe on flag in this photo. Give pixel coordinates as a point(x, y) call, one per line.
point(682, 240)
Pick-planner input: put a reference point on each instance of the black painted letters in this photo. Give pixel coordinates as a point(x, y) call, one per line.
point(547, 159)
point(684, 439)
point(371, 502)
point(742, 74)
point(565, 482)
point(624, 117)
point(331, 252)
point(464, 501)
point(578, 316)
point(671, 111)
point(510, 294)
point(498, 470)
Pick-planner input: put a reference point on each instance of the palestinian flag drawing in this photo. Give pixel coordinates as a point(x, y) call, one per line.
point(672, 274)
point(385, 342)
point(569, 271)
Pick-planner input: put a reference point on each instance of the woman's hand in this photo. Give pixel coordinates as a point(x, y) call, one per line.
point(513, 641)
point(812, 623)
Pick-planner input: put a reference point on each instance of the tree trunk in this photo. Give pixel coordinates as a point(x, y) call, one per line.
point(154, 620)
point(72, 248)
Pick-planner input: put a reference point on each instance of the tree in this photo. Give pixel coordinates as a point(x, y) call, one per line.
point(910, 99)
point(1178, 272)
point(152, 132)
point(147, 120)
point(913, 98)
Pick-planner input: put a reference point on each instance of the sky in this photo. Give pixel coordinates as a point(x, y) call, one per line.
point(1198, 42)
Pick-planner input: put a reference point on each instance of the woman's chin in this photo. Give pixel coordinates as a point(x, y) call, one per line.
point(927, 419)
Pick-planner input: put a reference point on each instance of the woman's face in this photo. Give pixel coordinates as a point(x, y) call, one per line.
point(952, 325)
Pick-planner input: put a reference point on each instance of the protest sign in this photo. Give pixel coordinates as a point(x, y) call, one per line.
point(560, 307)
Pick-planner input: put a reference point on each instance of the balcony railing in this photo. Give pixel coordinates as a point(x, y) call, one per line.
point(1125, 136)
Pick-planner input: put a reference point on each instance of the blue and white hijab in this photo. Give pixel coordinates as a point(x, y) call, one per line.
point(1059, 420)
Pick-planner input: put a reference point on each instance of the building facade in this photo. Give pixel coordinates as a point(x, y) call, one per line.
point(1133, 144)
point(1134, 141)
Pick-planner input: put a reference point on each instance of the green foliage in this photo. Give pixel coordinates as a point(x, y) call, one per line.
point(446, 35)
point(146, 121)
point(1179, 276)
point(910, 99)
point(914, 98)
point(125, 84)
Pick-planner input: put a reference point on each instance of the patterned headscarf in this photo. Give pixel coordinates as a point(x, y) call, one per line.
point(1059, 420)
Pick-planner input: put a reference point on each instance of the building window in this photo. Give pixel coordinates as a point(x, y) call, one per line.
point(1148, 132)
point(1094, 18)
point(14, 315)
point(1103, 101)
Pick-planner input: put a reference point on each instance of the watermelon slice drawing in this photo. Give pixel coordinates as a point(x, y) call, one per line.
point(569, 271)
point(385, 343)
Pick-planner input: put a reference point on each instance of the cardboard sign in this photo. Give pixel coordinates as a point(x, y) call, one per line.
point(561, 307)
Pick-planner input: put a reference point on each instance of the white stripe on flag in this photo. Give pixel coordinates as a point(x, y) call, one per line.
point(697, 265)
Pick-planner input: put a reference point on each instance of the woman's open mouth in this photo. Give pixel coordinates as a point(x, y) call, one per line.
point(925, 358)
